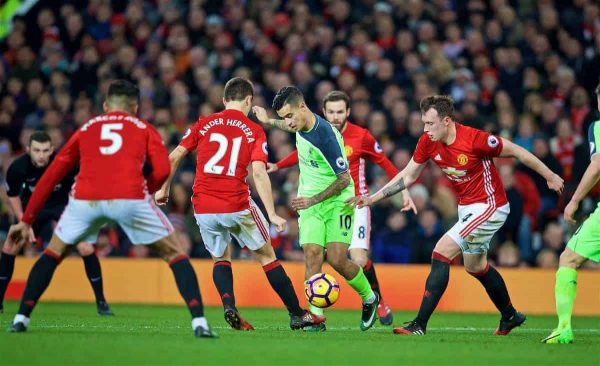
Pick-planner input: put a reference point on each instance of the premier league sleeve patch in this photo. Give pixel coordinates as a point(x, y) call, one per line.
point(493, 142)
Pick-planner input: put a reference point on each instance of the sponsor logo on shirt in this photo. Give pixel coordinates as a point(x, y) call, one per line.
point(456, 175)
point(462, 159)
point(340, 162)
point(493, 141)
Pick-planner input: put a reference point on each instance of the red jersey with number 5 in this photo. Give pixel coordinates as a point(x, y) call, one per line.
point(467, 163)
point(111, 150)
point(226, 143)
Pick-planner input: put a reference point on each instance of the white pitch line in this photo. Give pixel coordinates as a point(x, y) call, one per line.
point(377, 329)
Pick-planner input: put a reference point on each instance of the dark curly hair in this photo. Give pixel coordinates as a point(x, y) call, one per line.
point(287, 95)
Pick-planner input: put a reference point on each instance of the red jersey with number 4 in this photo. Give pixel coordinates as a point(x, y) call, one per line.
point(359, 145)
point(467, 163)
point(111, 150)
point(226, 143)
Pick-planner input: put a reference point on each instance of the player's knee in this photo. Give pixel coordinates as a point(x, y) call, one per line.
point(337, 262)
point(85, 249)
point(360, 259)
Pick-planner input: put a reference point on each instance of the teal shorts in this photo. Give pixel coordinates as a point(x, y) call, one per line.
point(586, 240)
point(326, 222)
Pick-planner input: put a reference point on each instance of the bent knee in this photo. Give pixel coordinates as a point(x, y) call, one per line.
point(85, 249)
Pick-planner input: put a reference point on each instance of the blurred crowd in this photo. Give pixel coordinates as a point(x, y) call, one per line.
point(523, 69)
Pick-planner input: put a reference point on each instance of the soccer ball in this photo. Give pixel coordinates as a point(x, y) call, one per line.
point(322, 290)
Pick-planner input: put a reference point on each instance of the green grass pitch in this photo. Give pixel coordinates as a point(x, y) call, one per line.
point(72, 334)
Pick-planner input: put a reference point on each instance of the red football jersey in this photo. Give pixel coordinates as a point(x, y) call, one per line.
point(226, 143)
point(111, 150)
point(359, 145)
point(467, 162)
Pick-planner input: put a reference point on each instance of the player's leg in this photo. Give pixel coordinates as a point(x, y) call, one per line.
point(311, 227)
point(583, 245)
point(359, 253)
point(477, 265)
point(145, 224)
point(37, 282)
point(94, 275)
point(444, 251)
point(7, 267)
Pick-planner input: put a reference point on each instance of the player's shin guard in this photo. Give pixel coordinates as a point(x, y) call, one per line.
point(94, 274)
point(564, 292)
point(496, 290)
point(436, 284)
point(361, 285)
point(281, 283)
point(369, 270)
point(7, 267)
point(39, 279)
point(223, 279)
point(187, 283)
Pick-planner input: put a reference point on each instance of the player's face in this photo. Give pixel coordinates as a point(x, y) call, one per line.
point(434, 126)
point(292, 116)
point(40, 153)
point(337, 113)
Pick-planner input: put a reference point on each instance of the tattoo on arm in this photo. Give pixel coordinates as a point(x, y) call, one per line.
point(279, 123)
point(394, 188)
point(334, 188)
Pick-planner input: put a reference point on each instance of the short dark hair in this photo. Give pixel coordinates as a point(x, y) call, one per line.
point(123, 88)
point(443, 104)
point(287, 95)
point(237, 89)
point(335, 96)
point(598, 90)
point(39, 136)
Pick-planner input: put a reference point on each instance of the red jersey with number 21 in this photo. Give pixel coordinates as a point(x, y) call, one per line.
point(467, 163)
point(226, 143)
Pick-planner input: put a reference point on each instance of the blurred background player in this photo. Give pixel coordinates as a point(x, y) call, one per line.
point(359, 145)
point(21, 178)
point(465, 155)
point(111, 148)
point(583, 246)
point(227, 143)
point(325, 221)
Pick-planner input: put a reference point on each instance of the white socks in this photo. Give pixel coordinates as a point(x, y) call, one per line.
point(21, 319)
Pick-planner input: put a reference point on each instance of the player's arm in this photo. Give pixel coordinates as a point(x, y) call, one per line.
point(63, 163)
point(14, 183)
point(288, 161)
point(261, 115)
point(158, 159)
point(374, 153)
point(400, 182)
point(265, 192)
point(588, 181)
point(175, 157)
point(510, 149)
point(342, 181)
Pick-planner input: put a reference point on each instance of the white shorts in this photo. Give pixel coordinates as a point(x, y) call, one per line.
point(477, 224)
point(140, 219)
point(249, 227)
point(361, 235)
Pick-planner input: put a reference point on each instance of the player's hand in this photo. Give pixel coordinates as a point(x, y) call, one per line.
point(302, 203)
point(408, 204)
point(20, 233)
point(278, 221)
point(260, 113)
point(570, 210)
point(31, 235)
point(360, 201)
point(161, 197)
point(556, 183)
point(272, 168)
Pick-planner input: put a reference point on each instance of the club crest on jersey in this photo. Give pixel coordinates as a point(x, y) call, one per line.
point(493, 141)
point(462, 159)
point(340, 162)
point(349, 150)
point(378, 149)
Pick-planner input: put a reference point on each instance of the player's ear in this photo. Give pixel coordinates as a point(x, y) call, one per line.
point(135, 108)
point(105, 106)
point(347, 112)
